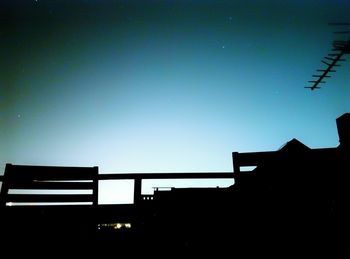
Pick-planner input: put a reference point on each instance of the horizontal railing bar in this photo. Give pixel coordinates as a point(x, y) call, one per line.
point(142, 176)
point(49, 198)
point(52, 175)
point(53, 185)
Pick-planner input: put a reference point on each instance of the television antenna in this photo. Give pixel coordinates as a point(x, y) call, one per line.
point(332, 60)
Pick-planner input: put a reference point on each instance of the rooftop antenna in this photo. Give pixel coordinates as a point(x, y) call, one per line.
point(340, 48)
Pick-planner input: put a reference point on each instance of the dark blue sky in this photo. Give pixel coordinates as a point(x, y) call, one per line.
point(165, 85)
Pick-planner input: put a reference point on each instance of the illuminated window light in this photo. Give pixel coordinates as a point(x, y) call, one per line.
point(118, 226)
point(115, 226)
point(127, 225)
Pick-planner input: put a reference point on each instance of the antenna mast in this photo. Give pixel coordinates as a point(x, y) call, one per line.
point(340, 48)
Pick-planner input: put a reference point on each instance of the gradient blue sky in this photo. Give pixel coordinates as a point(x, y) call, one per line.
point(165, 86)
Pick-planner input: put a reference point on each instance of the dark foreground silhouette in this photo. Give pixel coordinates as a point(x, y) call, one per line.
point(295, 203)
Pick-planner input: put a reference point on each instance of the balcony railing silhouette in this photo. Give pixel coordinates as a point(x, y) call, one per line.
point(136, 177)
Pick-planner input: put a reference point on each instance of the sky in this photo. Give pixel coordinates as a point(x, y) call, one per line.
point(165, 86)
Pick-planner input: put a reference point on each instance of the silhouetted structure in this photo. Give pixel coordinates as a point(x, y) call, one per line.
point(294, 203)
point(48, 208)
point(49, 178)
point(305, 190)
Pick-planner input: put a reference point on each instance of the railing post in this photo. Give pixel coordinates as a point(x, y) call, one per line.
point(236, 163)
point(95, 188)
point(4, 186)
point(137, 190)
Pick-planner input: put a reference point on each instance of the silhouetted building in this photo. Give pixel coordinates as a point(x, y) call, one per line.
point(295, 202)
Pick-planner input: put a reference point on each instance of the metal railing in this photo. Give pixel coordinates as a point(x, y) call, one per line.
point(139, 177)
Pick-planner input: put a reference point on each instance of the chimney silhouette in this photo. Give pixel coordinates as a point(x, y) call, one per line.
point(343, 125)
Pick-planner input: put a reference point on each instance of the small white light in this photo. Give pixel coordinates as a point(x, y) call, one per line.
point(127, 225)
